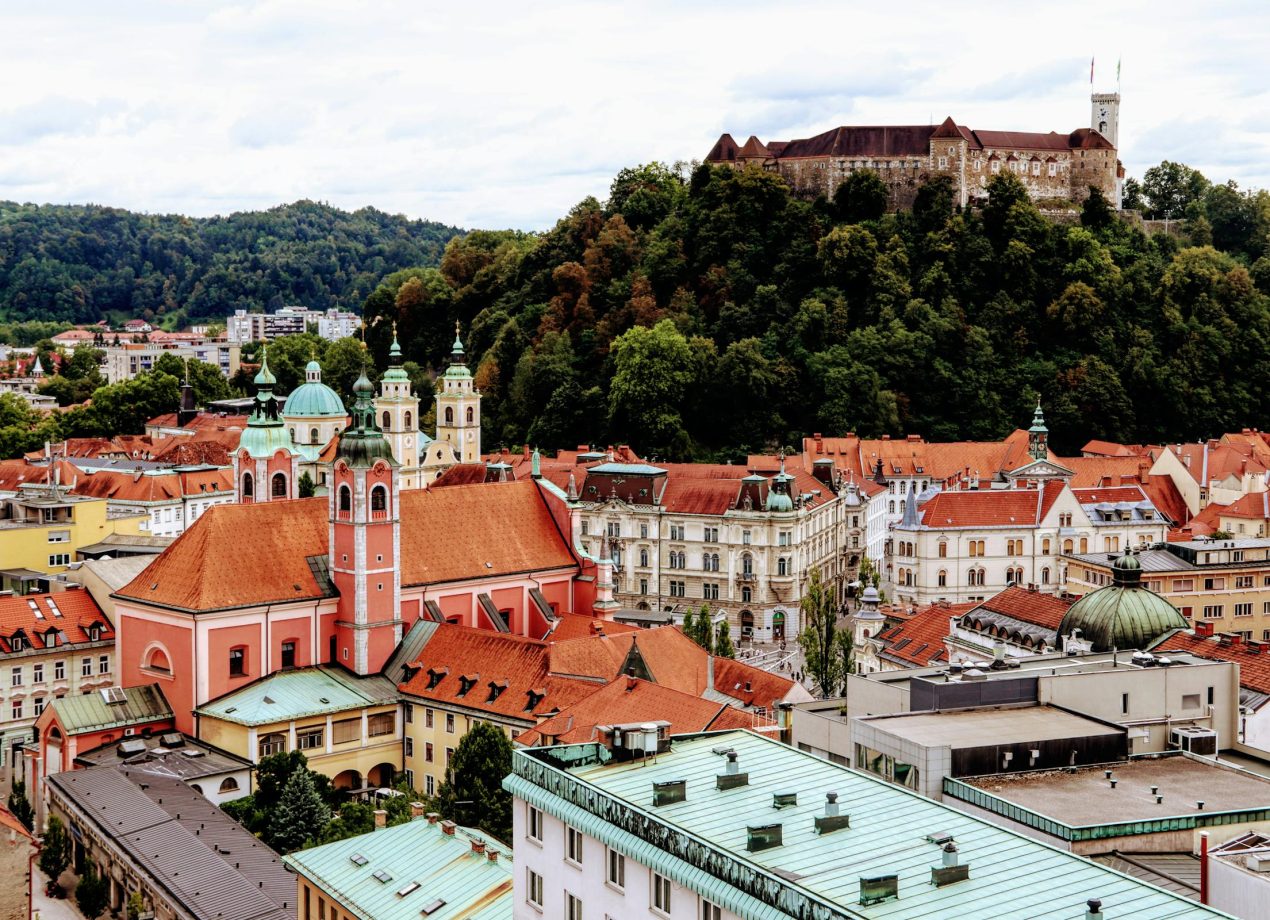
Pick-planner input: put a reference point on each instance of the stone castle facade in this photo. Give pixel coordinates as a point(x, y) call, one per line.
point(1051, 166)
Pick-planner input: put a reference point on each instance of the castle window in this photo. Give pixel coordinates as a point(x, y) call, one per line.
point(278, 486)
point(1053, 169)
point(409, 418)
point(449, 415)
point(1036, 167)
point(387, 423)
point(249, 487)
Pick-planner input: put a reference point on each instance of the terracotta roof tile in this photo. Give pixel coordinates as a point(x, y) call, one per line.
point(989, 508)
point(1254, 506)
point(78, 612)
point(579, 626)
point(919, 640)
point(630, 700)
point(1034, 607)
point(1254, 667)
point(242, 555)
point(1104, 471)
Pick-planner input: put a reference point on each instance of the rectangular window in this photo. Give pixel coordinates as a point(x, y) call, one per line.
point(38, 705)
point(409, 710)
point(1214, 584)
point(427, 718)
point(586, 527)
point(1183, 584)
point(37, 674)
point(1243, 610)
point(449, 722)
point(660, 900)
point(1210, 696)
point(103, 664)
point(59, 670)
point(616, 870)
point(745, 537)
point(449, 755)
point(381, 723)
point(573, 845)
point(1243, 581)
point(534, 831)
point(288, 654)
point(59, 536)
point(534, 893)
point(1213, 611)
point(712, 535)
point(306, 739)
point(60, 559)
point(237, 662)
point(643, 586)
point(643, 531)
point(572, 907)
point(85, 667)
point(710, 911)
point(16, 711)
point(1124, 703)
point(410, 746)
point(428, 752)
point(15, 677)
point(346, 730)
point(429, 785)
point(782, 539)
point(710, 592)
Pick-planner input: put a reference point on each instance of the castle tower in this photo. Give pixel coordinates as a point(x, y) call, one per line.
point(365, 540)
point(397, 408)
point(1038, 435)
point(1105, 116)
point(459, 407)
point(266, 463)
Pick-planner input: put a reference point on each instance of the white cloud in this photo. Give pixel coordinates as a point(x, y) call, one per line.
point(503, 114)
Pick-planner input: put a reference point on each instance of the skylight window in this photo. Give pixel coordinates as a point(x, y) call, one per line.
point(402, 892)
point(358, 859)
point(383, 876)
point(433, 906)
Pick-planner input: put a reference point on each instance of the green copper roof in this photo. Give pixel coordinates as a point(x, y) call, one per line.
point(362, 443)
point(1038, 421)
point(86, 712)
point(287, 695)
point(313, 398)
point(701, 842)
point(443, 865)
point(265, 433)
point(1123, 615)
point(265, 378)
point(395, 373)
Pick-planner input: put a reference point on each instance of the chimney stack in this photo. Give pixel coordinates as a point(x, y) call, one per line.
point(447, 828)
point(478, 846)
point(416, 809)
point(381, 818)
point(432, 817)
point(491, 855)
point(831, 820)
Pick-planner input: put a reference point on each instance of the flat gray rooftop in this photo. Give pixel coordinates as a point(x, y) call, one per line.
point(1086, 797)
point(971, 728)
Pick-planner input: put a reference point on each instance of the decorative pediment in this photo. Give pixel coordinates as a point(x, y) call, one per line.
point(1041, 469)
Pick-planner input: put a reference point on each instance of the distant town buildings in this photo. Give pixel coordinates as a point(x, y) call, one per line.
point(244, 326)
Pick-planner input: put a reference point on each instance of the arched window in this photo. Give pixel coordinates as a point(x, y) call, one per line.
point(449, 415)
point(747, 564)
point(387, 424)
point(890, 507)
point(409, 418)
point(346, 499)
point(279, 485)
point(471, 415)
point(782, 566)
point(293, 434)
point(1084, 544)
point(249, 486)
point(643, 556)
point(903, 488)
point(1045, 575)
point(1045, 547)
point(943, 578)
point(156, 659)
point(272, 743)
point(1067, 546)
point(313, 435)
point(379, 499)
point(228, 784)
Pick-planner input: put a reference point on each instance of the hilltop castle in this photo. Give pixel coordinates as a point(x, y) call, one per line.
point(1050, 165)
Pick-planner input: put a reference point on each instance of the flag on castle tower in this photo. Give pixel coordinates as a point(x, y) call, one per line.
point(1091, 70)
point(1118, 60)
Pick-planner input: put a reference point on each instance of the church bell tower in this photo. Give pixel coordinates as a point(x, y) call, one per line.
point(459, 407)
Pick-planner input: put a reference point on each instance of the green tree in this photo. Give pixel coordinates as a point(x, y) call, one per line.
point(55, 850)
point(205, 379)
point(473, 793)
point(91, 892)
point(305, 487)
point(136, 906)
point(652, 373)
point(699, 627)
point(1171, 188)
point(723, 646)
point(862, 196)
point(300, 816)
point(19, 806)
point(827, 650)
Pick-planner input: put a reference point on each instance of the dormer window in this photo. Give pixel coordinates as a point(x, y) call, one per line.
point(435, 675)
point(94, 633)
point(466, 683)
point(17, 643)
point(496, 687)
point(533, 698)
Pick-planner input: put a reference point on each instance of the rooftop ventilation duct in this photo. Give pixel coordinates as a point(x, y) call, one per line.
point(950, 869)
point(831, 820)
point(670, 792)
point(731, 777)
point(1094, 909)
point(763, 837)
point(877, 888)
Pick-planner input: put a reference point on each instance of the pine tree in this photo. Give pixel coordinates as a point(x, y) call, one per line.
point(90, 893)
point(55, 850)
point(305, 487)
point(19, 806)
point(300, 816)
point(723, 641)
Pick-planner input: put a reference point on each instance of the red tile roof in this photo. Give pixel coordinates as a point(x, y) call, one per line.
point(919, 640)
point(1098, 448)
point(1254, 667)
point(161, 486)
point(1127, 493)
point(914, 456)
point(1091, 472)
point(630, 700)
point(78, 612)
point(9, 821)
point(1034, 607)
point(514, 665)
point(990, 507)
point(1254, 506)
point(580, 626)
point(244, 555)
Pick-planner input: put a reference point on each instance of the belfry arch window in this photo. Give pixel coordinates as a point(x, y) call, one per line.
point(449, 415)
point(249, 486)
point(387, 423)
point(379, 499)
point(471, 415)
point(346, 499)
point(313, 435)
point(409, 419)
point(279, 486)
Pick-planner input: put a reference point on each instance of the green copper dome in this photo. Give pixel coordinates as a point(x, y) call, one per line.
point(362, 443)
point(313, 398)
point(395, 373)
point(265, 432)
point(1123, 615)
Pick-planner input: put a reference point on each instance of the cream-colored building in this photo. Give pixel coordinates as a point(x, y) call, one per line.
point(349, 728)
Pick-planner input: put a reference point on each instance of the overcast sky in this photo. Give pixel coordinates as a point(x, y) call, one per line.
point(485, 114)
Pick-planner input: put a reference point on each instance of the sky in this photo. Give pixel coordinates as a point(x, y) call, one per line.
point(491, 114)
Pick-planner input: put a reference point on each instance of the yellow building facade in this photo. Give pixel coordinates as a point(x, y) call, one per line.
point(42, 533)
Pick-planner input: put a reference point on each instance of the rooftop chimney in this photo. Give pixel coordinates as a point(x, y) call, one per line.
point(731, 777)
point(381, 818)
point(478, 846)
point(950, 868)
point(831, 820)
point(491, 855)
point(416, 809)
point(447, 828)
point(432, 817)
point(1203, 629)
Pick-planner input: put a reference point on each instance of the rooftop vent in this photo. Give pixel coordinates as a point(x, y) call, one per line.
point(402, 892)
point(1094, 909)
point(784, 799)
point(172, 740)
point(131, 748)
point(877, 888)
point(113, 695)
point(950, 869)
point(731, 777)
point(670, 792)
point(831, 820)
point(763, 837)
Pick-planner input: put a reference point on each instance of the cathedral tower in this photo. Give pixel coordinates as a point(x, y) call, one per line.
point(398, 410)
point(1038, 435)
point(266, 463)
point(459, 407)
point(365, 541)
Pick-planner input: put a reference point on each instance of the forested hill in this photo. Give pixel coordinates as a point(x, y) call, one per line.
point(709, 314)
point(79, 264)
